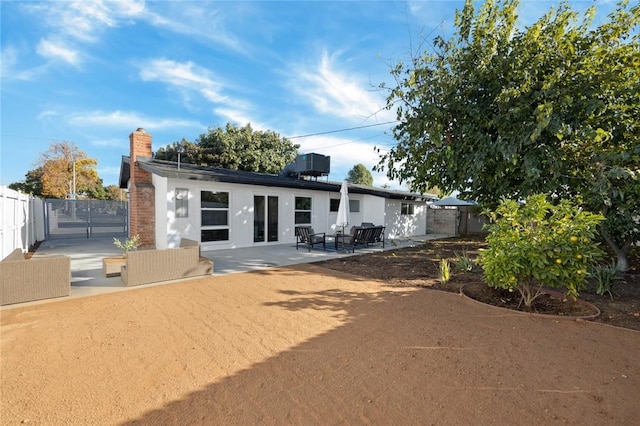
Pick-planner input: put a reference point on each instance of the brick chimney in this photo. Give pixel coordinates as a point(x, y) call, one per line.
point(142, 216)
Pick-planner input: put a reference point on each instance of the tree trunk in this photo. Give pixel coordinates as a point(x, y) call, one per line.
point(622, 253)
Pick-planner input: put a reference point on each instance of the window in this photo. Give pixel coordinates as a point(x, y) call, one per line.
point(214, 235)
point(302, 211)
point(354, 205)
point(182, 202)
point(407, 209)
point(214, 216)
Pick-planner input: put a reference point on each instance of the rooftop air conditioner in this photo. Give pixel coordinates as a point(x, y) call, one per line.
point(313, 165)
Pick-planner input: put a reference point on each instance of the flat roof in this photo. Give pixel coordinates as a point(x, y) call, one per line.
point(171, 170)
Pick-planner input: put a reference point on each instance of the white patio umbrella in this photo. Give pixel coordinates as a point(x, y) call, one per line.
point(342, 218)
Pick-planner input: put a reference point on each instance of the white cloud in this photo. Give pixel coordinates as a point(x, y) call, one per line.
point(240, 118)
point(204, 21)
point(9, 59)
point(128, 120)
point(84, 20)
point(113, 142)
point(8, 70)
point(47, 113)
point(415, 7)
point(335, 92)
point(184, 76)
point(58, 51)
point(189, 79)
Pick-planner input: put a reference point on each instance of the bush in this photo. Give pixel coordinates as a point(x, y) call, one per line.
point(129, 244)
point(605, 276)
point(539, 244)
point(464, 262)
point(444, 271)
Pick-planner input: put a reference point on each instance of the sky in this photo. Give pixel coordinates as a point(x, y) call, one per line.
point(92, 72)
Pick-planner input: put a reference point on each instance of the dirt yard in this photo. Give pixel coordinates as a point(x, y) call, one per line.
point(308, 345)
point(418, 266)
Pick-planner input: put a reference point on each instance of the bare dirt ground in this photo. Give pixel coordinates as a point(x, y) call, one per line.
point(308, 345)
point(418, 266)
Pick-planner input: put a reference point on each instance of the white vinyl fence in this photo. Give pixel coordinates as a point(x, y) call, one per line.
point(21, 221)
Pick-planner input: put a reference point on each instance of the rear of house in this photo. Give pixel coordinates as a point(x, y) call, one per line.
point(230, 209)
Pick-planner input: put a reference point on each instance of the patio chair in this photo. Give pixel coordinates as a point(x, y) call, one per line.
point(361, 236)
point(376, 235)
point(306, 235)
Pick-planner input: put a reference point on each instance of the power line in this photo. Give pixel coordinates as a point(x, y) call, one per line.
point(344, 143)
point(292, 137)
point(343, 130)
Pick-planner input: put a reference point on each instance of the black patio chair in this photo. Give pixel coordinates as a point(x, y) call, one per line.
point(306, 235)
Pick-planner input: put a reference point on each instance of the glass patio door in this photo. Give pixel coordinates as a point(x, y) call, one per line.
point(265, 218)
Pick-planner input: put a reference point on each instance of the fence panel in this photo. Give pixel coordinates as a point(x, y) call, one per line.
point(21, 221)
point(24, 219)
point(85, 218)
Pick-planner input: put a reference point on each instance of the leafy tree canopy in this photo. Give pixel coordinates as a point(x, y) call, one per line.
point(234, 148)
point(114, 192)
point(56, 170)
point(498, 111)
point(360, 175)
point(32, 183)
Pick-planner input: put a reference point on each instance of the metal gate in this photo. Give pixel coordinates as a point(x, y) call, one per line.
point(85, 218)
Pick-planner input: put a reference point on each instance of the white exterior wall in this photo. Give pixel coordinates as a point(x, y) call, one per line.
point(169, 229)
point(241, 214)
point(399, 225)
point(162, 211)
point(374, 211)
point(355, 218)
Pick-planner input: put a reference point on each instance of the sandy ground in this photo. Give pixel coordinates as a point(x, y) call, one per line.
point(305, 345)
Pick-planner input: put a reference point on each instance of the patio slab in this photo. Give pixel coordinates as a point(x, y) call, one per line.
point(88, 278)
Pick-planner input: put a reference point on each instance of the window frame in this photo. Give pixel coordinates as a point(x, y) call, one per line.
point(334, 204)
point(297, 211)
point(407, 209)
point(222, 229)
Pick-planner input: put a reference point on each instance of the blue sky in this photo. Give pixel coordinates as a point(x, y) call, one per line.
point(91, 72)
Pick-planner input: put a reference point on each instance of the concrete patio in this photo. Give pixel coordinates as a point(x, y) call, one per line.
point(87, 277)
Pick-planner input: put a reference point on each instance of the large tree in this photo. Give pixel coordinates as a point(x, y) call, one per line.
point(32, 184)
point(59, 171)
point(360, 175)
point(114, 192)
point(498, 111)
point(234, 148)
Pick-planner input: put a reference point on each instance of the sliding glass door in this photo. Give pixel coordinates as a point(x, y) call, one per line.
point(265, 218)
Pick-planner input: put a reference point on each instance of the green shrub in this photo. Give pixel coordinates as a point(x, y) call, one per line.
point(463, 262)
point(539, 244)
point(605, 276)
point(129, 244)
point(444, 270)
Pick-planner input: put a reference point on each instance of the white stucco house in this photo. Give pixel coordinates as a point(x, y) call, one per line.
point(231, 209)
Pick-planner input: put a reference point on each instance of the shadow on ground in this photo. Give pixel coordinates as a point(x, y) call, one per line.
point(421, 357)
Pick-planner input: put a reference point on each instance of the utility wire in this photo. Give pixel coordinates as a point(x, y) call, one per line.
point(342, 130)
point(343, 143)
point(291, 137)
